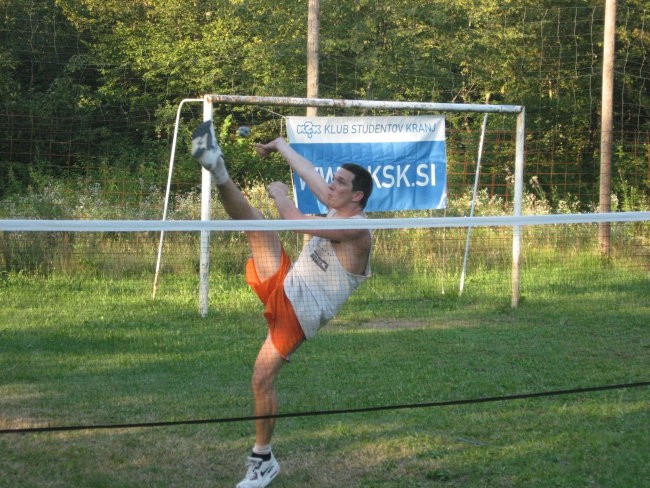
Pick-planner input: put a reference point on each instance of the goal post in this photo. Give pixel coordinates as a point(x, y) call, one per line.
point(206, 215)
point(520, 140)
point(211, 99)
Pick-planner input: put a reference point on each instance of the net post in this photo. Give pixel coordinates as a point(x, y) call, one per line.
point(206, 191)
point(518, 205)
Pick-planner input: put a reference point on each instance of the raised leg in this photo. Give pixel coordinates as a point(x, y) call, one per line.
point(265, 247)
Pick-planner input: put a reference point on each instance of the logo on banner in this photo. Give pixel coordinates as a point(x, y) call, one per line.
point(406, 157)
point(308, 128)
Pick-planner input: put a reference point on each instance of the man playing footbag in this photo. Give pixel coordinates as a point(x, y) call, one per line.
point(300, 297)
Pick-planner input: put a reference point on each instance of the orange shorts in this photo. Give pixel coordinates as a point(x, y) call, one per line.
point(284, 328)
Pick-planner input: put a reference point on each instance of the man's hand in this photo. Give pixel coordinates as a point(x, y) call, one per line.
point(302, 166)
point(278, 190)
point(263, 150)
point(287, 209)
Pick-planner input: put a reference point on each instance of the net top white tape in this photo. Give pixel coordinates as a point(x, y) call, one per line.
point(26, 225)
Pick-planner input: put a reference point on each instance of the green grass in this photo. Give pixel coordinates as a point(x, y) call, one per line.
point(84, 349)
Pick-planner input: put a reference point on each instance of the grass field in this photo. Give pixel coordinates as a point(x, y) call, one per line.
point(87, 349)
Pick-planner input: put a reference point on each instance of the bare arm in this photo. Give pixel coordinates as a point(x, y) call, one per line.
point(279, 192)
point(299, 164)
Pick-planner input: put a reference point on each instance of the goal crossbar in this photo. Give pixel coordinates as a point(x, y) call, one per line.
point(368, 104)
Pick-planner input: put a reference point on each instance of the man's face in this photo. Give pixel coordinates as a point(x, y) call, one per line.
point(340, 189)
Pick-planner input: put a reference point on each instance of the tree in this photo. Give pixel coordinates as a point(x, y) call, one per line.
point(106, 75)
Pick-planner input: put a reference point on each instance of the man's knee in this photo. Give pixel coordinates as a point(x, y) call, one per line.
point(263, 378)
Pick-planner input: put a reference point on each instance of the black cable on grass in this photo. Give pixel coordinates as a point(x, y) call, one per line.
point(520, 396)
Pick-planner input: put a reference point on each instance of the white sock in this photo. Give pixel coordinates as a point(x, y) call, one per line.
point(219, 170)
point(262, 450)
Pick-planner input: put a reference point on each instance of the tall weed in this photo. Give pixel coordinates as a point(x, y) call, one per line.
point(129, 253)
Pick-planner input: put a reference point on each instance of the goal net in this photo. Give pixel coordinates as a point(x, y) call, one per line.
point(370, 138)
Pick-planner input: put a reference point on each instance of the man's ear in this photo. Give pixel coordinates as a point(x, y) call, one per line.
point(357, 196)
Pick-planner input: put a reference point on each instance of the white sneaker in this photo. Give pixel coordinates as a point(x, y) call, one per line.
point(206, 150)
point(259, 473)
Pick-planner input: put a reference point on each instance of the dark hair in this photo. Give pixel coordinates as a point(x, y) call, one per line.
point(362, 181)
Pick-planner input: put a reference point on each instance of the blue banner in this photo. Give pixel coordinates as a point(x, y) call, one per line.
point(406, 157)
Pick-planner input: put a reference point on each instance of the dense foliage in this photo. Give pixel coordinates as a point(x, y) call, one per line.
point(97, 82)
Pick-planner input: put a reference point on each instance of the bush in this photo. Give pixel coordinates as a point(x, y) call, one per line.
point(120, 253)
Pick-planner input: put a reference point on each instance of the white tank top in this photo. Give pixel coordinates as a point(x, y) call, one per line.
point(318, 285)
